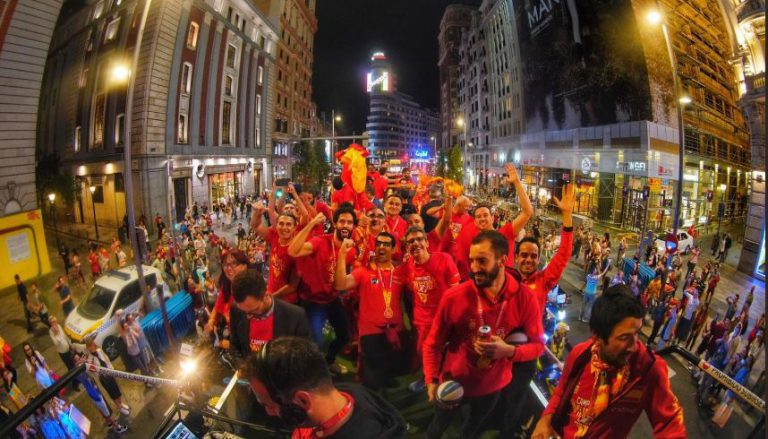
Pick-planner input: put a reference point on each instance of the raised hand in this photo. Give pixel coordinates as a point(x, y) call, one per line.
point(347, 245)
point(512, 176)
point(569, 196)
point(318, 219)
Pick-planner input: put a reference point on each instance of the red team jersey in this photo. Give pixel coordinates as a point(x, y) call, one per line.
point(261, 331)
point(373, 285)
point(427, 282)
point(319, 269)
point(280, 265)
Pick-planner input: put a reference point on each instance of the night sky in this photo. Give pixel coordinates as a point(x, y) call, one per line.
point(350, 30)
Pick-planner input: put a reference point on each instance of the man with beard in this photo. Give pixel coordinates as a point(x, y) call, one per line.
point(539, 282)
point(291, 380)
point(609, 380)
point(316, 260)
point(483, 220)
point(283, 276)
point(473, 319)
point(380, 322)
point(427, 276)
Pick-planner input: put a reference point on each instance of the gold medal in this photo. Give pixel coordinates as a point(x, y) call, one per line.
point(388, 313)
point(484, 362)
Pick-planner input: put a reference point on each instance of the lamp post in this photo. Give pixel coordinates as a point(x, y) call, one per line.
point(52, 199)
point(92, 189)
point(655, 17)
point(463, 125)
point(334, 119)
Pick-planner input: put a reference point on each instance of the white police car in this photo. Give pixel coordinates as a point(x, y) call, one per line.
point(117, 289)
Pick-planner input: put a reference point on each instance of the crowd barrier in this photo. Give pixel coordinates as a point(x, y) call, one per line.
point(180, 315)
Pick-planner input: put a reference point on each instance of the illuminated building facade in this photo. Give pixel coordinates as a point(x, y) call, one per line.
point(454, 23)
point(200, 126)
point(295, 113)
point(399, 130)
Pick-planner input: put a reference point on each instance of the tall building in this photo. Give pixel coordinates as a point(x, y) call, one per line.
point(571, 90)
point(292, 92)
point(23, 49)
point(400, 131)
point(454, 23)
point(200, 122)
point(745, 21)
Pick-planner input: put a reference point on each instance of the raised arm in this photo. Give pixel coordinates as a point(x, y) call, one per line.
point(299, 202)
point(257, 220)
point(445, 220)
point(554, 270)
point(526, 208)
point(342, 280)
point(299, 246)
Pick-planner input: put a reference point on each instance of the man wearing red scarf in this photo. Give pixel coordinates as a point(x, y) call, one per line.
point(610, 380)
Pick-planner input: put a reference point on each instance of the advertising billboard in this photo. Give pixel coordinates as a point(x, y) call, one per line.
point(587, 64)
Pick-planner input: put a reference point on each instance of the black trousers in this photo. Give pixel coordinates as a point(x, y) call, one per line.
point(475, 410)
point(380, 361)
point(522, 374)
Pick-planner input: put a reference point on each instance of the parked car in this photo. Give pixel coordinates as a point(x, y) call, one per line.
point(684, 242)
point(117, 289)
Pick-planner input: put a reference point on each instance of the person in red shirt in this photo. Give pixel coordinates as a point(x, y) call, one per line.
point(438, 238)
point(316, 260)
point(315, 206)
point(483, 366)
point(232, 263)
point(93, 260)
point(539, 282)
point(427, 276)
point(283, 275)
point(609, 380)
point(365, 234)
point(483, 220)
point(342, 193)
point(380, 183)
point(395, 224)
point(380, 322)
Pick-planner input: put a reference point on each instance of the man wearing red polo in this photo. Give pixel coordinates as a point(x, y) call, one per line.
point(496, 302)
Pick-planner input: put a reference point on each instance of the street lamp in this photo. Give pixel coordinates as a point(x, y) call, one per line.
point(655, 17)
point(334, 118)
point(92, 188)
point(463, 125)
point(120, 74)
point(52, 199)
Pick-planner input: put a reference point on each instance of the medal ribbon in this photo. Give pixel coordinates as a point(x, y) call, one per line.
point(388, 313)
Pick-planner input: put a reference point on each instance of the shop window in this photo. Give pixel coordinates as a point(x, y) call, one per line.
point(192, 33)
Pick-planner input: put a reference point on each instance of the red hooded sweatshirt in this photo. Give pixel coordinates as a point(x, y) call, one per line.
point(462, 310)
point(541, 281)
point(647, 390)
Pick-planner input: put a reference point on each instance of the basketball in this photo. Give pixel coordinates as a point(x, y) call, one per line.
point(516, 338)
point(450, 392)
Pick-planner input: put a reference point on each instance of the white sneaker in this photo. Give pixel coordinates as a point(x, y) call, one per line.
point(124, 409)
point(338, 369)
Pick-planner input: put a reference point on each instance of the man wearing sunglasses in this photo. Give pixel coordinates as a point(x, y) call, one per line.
point(539, 282)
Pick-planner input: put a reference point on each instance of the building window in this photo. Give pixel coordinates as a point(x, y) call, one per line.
point(226, 123)
point(77, 139)
point(120, 129)
point(186, 78)
point(231, 56)
point(183, 129)
point(228, 81)
point(98, 10)
point(258, 137)
point(83, 81)
point(260, 75)
point(258, 104)
point(113, 28)
point(194, 30)
point(98, 120)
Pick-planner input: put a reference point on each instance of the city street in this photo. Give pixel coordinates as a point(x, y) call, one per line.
point(149, 405)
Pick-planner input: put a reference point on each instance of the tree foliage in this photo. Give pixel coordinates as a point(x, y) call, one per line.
point(52, 176)
point(441, 162)
point(310, 168)
point(455, 165)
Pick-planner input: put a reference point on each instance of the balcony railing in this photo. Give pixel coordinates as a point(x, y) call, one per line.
point(755, 83)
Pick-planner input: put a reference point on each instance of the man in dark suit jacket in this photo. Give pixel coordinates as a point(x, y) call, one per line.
point(257, 317)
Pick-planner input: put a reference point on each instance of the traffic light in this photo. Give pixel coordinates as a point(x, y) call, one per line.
point(646, 192)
